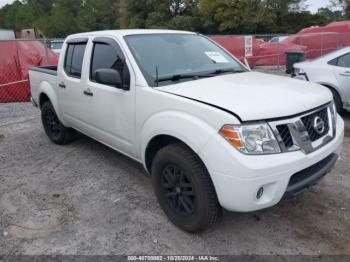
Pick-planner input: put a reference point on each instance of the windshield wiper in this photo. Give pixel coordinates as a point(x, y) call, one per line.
point(178, 77)
point(229, 70)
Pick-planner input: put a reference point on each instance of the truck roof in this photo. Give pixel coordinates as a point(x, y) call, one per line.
point(126, 32)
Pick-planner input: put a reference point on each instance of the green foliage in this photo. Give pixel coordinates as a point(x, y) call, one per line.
point(98, 15)
point(344, 4)
point(173, 14)
point(330, 15)
point(237, 16)
point(296, 21)
point(256, 16)
point(58, 18)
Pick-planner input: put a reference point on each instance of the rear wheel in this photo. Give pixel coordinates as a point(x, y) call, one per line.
point(184, 188)
point(55, 130)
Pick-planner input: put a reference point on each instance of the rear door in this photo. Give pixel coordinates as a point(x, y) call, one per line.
point(342, 74)
point(70, 84)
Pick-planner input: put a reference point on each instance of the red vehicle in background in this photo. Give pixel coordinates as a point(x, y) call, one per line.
point(16, 57)
point(313, 41)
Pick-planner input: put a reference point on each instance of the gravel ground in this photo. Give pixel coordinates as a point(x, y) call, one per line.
point(86, 199)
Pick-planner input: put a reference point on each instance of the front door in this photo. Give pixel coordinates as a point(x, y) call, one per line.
point(112, 108)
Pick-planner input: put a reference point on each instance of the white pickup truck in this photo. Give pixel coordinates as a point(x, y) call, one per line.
point(211, 133)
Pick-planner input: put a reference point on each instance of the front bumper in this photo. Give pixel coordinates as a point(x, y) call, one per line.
point(237, 177)
point(310, 176)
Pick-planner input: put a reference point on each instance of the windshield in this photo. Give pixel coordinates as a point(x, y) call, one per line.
point(178, 56)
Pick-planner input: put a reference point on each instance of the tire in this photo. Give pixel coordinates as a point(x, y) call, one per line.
point(337, 100)
point(54, 129)
point(184, 189)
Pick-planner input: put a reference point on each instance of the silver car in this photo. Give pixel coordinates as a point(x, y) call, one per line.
point(331, 70)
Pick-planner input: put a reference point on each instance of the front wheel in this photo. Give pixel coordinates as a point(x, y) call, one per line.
point(184, 188)
point(54, 129)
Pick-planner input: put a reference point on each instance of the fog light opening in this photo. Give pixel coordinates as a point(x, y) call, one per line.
point(260, 193)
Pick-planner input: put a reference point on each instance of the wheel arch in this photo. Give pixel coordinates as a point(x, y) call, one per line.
point(171, 127)
point(47, 93)
point(42, 99)
point(157, 143)
point(333, 87)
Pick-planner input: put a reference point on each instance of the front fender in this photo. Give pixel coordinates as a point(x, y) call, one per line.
point(191, 130)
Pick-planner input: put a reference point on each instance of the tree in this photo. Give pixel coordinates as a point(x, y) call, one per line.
point(295, 21)
point(344, 4)
point(330, 15)
point(62, 20)
point(256, 16)
point(3, 12)
point(174, 14)
point(11, 14)
point(251, 16)
point(58, 18)
point(99, 15)
point(23, 14)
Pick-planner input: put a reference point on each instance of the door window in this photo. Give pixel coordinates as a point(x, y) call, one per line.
point(109, 56)
point(73, 63)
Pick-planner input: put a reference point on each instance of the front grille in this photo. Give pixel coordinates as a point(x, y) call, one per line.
point(286, 136)
point(308, 122)
point(306, 132)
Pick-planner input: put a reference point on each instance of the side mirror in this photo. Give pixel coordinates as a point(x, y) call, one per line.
point(109, 77)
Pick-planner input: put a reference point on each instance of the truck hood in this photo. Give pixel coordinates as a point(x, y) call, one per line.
point(253, 95)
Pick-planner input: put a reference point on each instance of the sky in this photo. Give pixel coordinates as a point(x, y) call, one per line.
point(313, 4)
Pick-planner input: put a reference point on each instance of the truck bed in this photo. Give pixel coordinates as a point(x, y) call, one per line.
point(52, 70)
point(42, 78)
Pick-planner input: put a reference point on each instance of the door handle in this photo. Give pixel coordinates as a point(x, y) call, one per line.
point(88, 93)
point(62, 85)
point(347, 73)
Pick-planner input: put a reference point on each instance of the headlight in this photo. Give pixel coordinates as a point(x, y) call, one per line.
point(253, 139)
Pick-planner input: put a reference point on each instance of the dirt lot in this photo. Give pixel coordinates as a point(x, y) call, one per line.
point(85, 198)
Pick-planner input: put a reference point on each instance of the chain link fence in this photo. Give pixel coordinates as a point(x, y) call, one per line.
point(272, 48)
point(16, 57)
point(267, 51)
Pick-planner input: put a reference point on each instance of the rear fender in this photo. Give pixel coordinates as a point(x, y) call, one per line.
point(47, 89)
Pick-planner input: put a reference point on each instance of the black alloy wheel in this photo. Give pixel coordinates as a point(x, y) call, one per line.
point(179, 190)
point(184, 188)
point(54, 129)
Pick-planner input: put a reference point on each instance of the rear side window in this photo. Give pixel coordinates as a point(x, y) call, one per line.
point(344, 61)
point(68, 59)
point(73, 63)
point(106, 55)
point(333, 62)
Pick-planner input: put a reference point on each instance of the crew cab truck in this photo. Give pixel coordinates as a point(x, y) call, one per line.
point(212, 134)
